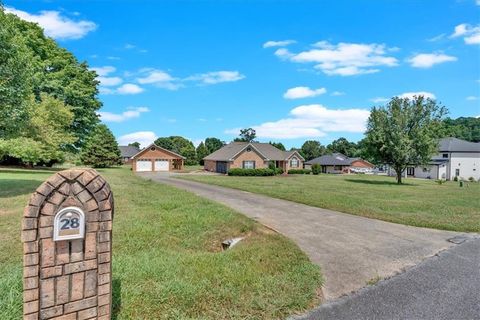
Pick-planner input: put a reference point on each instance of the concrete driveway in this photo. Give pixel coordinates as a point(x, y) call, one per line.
point(351, 250)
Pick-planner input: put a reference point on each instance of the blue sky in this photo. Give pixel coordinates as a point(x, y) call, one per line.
point(293, 70)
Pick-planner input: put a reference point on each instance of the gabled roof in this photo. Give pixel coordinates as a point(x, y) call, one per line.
point(154, 145)
point(128, 151)
point(334, 159)
point(265, 150)
point(457, 145)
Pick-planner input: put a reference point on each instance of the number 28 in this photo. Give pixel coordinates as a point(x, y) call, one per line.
point(69, 223)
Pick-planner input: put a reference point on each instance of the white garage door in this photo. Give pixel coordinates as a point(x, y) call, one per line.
point(161, 165)
point(144, 165)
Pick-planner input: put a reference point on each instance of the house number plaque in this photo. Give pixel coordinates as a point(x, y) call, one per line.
point(69, 224)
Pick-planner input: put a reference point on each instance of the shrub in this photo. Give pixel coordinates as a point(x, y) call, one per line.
point(440, 181)
point(471, 179)
point(299, 171)
point(251, 172)
point(316, 168)
point(455, 179)
point(278, 171)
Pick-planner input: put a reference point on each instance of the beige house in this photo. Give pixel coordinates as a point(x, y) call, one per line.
point(251, 155)
point(155, 158)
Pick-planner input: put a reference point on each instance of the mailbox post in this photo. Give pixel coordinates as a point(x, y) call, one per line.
point(66, 235)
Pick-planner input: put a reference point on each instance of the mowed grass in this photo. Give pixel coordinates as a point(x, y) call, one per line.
point(418, 202)
point(167, 257)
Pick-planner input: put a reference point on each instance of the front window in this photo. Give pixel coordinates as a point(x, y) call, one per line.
point(445, 155)
point(457, 172)
point(337, 168)
point(294, 163)
point(249, 164)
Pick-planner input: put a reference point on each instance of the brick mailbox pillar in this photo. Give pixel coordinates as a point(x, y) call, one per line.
point(66, 235)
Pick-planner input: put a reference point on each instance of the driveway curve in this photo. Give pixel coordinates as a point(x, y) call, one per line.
point(351, 250)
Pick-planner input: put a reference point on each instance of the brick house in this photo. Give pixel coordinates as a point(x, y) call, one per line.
point(127, 152)
point(340, 163)
point(251, 155)
point(155, 158)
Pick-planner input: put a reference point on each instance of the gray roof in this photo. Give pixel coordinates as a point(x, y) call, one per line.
point(128, 151)
point(266, 150)
point(334, 159)
point(457, 145)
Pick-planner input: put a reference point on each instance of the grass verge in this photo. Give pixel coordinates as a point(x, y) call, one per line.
point(167, 261)
point(418, 202)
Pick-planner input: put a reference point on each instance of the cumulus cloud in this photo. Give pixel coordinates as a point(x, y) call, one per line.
point(303, 92)
point(106, 81)
point(129, 88)
point(103, 71)
point(281, 43)
point(130, 113)
point(309, 121)
point(470, 34)
point(159, 78)
point(471, 98)
point(343, 59)
point(143, 137)
point(215, 77)
point(337, 93)
point(428, 60)
point(55, 25)
point(409, 95)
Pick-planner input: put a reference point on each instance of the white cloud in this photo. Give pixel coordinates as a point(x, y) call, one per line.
point(470, 34)
point(303, 92)
point(110, 81)
point(129, 88)
point(215, 77)
point(55, 25)
point(159, 78)
point(103, 71)
point(104, 90)
point(337, 93)
point(129, 46)
point(113, 58)
point(344, 59)
point(471, 98)
point(143, 137)
point(437, 38)
point(315, 120)
point(428, 60)
point(105, 81)
point(126, 115)
point(410, 95)
point(282, 43)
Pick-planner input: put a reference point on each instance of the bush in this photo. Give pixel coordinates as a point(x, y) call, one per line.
point(471, 179)
point(251, 172)
point(316, 168)
point(299, 171)
point(440, 181)
point(455, 179)
point(278, 171)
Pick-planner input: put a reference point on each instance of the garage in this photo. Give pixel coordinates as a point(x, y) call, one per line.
point(221, 167)
point(162, 165)
point(144, 165)
point(157, 159)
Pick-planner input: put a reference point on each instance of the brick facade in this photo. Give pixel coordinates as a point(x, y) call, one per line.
point(68, 279)
point(174, 161)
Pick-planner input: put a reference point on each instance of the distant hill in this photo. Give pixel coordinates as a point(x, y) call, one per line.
point(466, 128)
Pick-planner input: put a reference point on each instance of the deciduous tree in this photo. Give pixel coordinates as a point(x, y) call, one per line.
point(101, 149)
point(312, 149)
point(404, 132)
point(213, 144)
point(202, 152)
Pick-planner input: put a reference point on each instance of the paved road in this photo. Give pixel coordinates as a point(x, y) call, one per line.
point(351, 250)
point(443, 287)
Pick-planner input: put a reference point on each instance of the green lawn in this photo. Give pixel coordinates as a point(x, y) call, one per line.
point(167, 260)
point(418, 202)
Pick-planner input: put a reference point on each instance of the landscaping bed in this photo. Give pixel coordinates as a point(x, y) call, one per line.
point(168, 261)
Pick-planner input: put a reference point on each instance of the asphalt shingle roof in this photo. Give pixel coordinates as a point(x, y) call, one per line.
point(128, 151)
point(229, 151)
point(334, 159)
point(458, 145)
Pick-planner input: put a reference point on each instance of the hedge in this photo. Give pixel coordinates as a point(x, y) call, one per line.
point(251, 172)
point(299, 171)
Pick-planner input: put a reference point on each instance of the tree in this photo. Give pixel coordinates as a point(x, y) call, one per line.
point(404, 132)
point(213, 144)
point(135, 144)
point(278, 145)
point(343, 146)
point(465, 128)
point(34, 64)
point(312, 149)
point(101, 149)
point(246, 135)
point(202, 152)
point(179, 145)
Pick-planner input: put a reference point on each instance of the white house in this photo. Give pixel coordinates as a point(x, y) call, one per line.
point(455, 158)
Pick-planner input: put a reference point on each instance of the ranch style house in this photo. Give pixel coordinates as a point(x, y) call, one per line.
point(251, 155)
point(339, 163)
